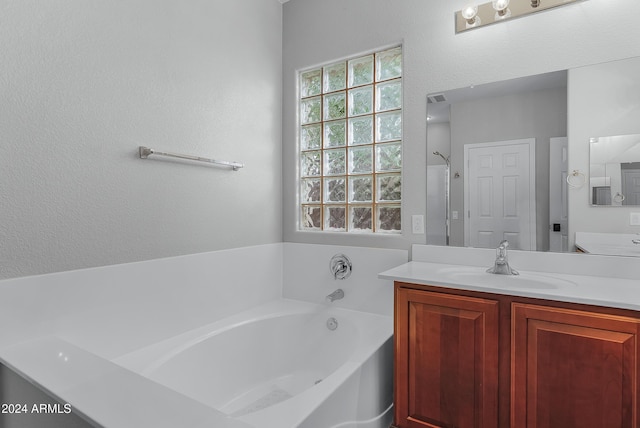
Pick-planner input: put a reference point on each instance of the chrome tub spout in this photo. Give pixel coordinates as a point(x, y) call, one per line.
point(336, 295)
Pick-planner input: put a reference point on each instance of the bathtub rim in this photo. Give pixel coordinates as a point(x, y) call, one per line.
point(101, 392)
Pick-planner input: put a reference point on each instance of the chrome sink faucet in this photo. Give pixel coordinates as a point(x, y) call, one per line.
point(501, 266)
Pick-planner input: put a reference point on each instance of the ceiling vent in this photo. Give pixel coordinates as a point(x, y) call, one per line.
point(437, 98)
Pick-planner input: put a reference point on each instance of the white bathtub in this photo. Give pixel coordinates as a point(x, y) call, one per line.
point(280, 366)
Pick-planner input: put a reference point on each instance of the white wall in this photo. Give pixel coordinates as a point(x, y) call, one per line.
point(437, 59)
point(603, 101)
point(84, 83)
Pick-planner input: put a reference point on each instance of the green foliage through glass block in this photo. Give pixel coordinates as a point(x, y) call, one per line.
point(310, 110)
point(335, 162)
point(389, 95)
point(350, 149)
point(335, 133)
point(389, 126)
point(361, 160)
point(310, 83)
point(335, 77)
point(335, 106)
point(361, 101)
point(311, 137)
point(361, 130)
point(389, 64)
point(361, 71)
point(388, 157)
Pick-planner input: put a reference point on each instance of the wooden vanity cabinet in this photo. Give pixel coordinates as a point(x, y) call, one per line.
point(446, 360)
point(573, 368)
point(478, 360)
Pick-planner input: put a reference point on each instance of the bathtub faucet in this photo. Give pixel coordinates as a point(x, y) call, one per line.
point(336, 295)
point(340, 266)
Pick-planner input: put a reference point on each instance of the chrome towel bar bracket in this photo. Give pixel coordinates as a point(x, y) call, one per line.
point(145, 152)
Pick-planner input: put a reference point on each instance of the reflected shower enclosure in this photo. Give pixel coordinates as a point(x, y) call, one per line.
point(438, 182)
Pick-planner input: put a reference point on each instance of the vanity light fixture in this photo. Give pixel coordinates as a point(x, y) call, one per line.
point(479, 15)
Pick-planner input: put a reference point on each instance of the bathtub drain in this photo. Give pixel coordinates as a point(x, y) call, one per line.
point(332, 323)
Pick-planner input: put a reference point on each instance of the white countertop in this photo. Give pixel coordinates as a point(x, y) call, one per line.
point(593, 290)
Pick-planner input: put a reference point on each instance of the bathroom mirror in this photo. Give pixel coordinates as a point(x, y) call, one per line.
point(614, 170)
point(499, 148)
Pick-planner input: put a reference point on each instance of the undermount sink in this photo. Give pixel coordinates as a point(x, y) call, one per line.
point(480, 276)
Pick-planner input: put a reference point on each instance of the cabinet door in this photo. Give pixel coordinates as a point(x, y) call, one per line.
point(573, 369)
point(446, 360)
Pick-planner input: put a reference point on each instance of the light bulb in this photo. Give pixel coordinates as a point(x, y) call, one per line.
point(500, 5)
point(469, 12)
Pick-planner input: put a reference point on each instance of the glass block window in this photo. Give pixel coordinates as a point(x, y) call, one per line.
point(350, 135)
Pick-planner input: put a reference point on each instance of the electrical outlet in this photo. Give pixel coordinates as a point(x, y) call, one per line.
point(417, 224)
point(634, 219)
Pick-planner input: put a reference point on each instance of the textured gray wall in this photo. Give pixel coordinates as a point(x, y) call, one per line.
point(84, 83)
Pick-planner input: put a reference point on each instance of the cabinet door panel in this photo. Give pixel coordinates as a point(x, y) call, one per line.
point(573, 369)
point(447, 361)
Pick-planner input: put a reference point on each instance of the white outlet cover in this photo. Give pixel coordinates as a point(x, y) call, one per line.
point(634, 219)
point(417, 224)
